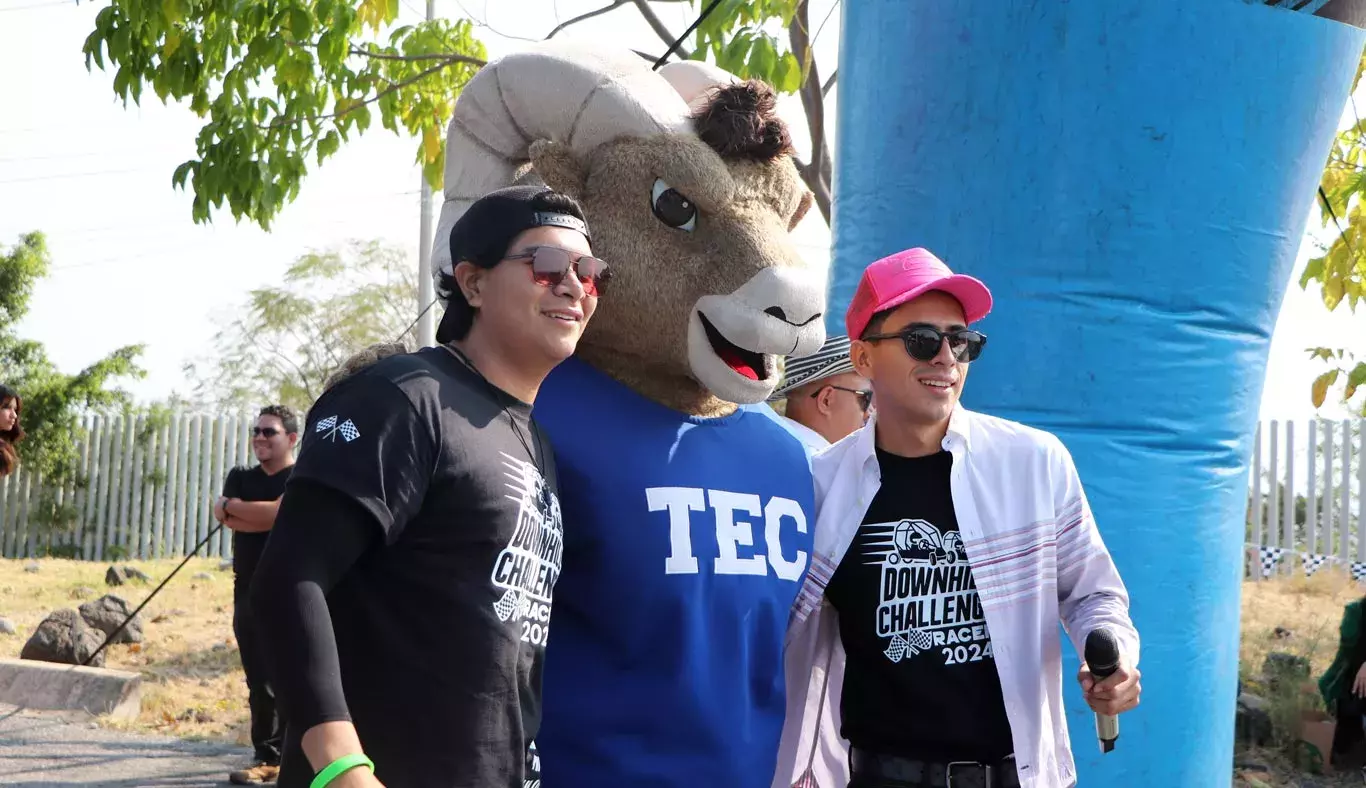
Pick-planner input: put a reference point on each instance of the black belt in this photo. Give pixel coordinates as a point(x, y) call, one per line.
point(956, 774)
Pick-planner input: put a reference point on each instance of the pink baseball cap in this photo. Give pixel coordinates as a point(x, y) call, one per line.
point(896, 279)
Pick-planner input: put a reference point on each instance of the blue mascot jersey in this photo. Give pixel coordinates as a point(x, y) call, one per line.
point(686, 541)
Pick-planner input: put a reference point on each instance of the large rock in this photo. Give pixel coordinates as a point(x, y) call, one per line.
point(115, 576)
point(1253, 722)
point(1292, 669)
point(107, 612)
point(64, 637)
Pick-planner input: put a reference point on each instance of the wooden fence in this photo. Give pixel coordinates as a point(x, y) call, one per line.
point(146, 491)
point(1305, 499)
point(149, 489)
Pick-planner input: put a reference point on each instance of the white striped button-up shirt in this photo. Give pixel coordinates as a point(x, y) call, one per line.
point(1038, 560)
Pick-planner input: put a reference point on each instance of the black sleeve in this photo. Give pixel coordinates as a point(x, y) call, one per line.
point(232, 486)
point(367, 441)
point(319, 534)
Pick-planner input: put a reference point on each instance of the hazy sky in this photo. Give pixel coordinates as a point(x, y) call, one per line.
point(131, 267)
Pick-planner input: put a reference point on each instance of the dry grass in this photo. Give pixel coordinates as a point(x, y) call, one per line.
point(193, 683)
point(1311, 609)
point(194, 686)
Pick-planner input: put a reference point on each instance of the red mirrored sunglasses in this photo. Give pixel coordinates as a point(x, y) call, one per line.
point(549, 264)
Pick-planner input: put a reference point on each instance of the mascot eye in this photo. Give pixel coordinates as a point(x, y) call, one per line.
point(673, 208)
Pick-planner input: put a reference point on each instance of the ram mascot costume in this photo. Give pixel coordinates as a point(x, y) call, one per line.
point(687, 514)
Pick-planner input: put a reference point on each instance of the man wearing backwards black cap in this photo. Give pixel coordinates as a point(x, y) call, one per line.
point(406, 588)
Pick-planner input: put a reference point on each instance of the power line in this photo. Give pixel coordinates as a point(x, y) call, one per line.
point(66, 175)
point(36, 6)
point(679, 41)
point(828, 14)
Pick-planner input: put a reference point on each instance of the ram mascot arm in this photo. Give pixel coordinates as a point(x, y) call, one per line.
point(687, 515)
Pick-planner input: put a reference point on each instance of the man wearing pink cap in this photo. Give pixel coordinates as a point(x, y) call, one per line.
point(923, 647)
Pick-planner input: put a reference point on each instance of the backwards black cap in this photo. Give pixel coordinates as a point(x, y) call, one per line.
point(481, 237)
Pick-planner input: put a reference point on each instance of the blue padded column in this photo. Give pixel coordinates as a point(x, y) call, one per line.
point(1132, 179)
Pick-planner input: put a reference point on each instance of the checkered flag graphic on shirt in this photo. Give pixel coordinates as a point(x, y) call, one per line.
point(1358, 570)
point(1313, 563)
point(348, 430)
point(1270, 556)
point(915, 641)
point(508, 605)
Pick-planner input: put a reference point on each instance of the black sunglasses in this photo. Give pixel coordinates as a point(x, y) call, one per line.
point(266, 432)
point(923, 342)
point(865, 397)
point(549, 264)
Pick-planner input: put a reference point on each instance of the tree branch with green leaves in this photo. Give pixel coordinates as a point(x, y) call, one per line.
point(281, 84)
point(1340, 268)
point(286, 340)
point(53, 401)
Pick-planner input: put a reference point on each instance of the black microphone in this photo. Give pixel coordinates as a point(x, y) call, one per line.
point(1102, 657)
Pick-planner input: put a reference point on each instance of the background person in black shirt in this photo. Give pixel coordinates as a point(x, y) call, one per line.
point(250, 501)
point(407, 586)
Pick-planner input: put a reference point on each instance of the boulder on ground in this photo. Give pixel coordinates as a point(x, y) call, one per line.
point(64, 637)
point(107, 612)
point(115, 576)
point(133, 573)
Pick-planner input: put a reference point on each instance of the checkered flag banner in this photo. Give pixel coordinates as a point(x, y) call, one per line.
point(915, 641)
point(1358, 570)
point(508, 605)
point(1270, 556)
point(348, 430)
point(1313, 563)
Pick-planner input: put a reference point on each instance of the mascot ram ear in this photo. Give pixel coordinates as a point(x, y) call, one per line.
point(558, 167)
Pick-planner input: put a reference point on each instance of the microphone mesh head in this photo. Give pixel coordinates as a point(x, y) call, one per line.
point(1102, 652)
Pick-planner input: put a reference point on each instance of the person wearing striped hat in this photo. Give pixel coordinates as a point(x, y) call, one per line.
point(826, 398)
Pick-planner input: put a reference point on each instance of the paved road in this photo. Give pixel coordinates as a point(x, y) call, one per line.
point(45, 750)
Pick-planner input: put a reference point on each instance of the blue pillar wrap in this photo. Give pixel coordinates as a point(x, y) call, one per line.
point(1132, 179)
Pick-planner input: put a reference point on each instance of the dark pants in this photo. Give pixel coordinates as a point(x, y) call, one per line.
point(266, 731)
point(881, 771)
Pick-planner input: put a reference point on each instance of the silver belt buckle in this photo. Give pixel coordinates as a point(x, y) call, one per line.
point(987, 772)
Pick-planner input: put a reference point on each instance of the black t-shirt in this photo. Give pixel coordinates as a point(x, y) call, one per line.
point(441, 628)
point(921, 679)
point(252, 484)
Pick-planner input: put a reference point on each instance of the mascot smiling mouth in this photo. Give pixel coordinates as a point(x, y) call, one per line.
point(755, 366)
point(733, 340)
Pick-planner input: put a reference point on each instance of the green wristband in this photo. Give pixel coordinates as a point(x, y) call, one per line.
point(340, 765)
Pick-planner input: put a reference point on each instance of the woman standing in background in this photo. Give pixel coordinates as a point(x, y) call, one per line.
point(10, 431)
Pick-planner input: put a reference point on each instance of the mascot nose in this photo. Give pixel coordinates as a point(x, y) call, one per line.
point(791, 301)
point(778, 312)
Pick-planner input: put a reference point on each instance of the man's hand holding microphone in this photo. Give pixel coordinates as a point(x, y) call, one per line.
point(1110, 685)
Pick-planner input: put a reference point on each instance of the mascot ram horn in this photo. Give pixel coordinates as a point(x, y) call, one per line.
point(688, 182)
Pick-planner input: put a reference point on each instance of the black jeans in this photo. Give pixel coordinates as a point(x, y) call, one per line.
point(266, 730)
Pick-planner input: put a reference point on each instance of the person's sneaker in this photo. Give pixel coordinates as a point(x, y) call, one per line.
point(259, 774)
